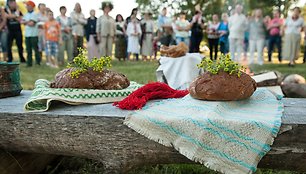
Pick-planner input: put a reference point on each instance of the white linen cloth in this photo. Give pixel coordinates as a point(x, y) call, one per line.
point(179, 72)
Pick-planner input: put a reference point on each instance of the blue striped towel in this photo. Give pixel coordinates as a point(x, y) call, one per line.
point(229, 137)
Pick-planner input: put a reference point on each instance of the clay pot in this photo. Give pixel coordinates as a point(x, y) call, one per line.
point(9, 79)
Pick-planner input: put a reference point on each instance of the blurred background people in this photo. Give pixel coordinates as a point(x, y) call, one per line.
point(30, 20)
point(257, 35)
point(78, 22)
point(3, 33)
point(66, 34)
point(274, 28)
point(197, 26)
point(293, 27)
point(134, 33)
point(165, 30)
point(224, 32)
point(42, 18)
point(120, 49)
point(147, 26)
point(91, 36)
point(213, 36)
point(106, 29)
point(181, 28)
point(237, 27)
point(53, 39)
point(14, 17)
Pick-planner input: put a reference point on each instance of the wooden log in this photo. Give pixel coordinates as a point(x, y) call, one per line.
point(97, 132)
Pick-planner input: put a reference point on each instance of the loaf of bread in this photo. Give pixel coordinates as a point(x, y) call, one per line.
point(222, 86)
point(174, 50)
point(105, 80)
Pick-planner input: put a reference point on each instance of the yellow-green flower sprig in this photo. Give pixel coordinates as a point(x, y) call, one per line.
point(223, 64)
point(81, 64)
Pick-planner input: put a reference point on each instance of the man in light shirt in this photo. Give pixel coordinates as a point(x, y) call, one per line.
point(237, 27)
point(31, 33)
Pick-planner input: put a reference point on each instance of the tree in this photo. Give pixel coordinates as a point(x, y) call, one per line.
point(210, 7)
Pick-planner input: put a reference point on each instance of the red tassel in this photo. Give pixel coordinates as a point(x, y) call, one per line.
point(155, 90)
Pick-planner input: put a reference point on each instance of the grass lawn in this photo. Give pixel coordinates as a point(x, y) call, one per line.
point(141, 72)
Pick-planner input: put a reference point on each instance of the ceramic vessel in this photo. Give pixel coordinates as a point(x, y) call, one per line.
point(9, 79)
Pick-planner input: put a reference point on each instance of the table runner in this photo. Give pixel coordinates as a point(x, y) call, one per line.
point(230, 137)
point(42, 95)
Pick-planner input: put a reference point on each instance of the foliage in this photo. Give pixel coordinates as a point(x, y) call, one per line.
point(210, 7)
point(81, 63)
point(223, 64)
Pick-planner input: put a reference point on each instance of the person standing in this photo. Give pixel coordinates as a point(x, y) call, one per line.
point(304, 57)
point(30, 20)
point(224, 32)
point(147, 36)
point(274, 28)
point(106, 29)
point(165, 30)
point(134, 33)
point(120, 49)
point(237, 26)
point(181, 28)
point(14, 17)
point(293, 27)
point(133, 13)
point(267, 20)
point(257, 30)
point(42, 18)
point(91, 36)
point(78, 23)
point(3, 33)
point(53, 39)
point(213, 36)
point(67, 39)
point(197, 26)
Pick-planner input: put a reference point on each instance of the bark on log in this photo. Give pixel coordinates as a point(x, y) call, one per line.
point(97, 132)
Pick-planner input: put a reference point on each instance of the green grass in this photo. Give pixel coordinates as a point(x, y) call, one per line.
point(76, 165)
point(283, 68)
point(142, 72)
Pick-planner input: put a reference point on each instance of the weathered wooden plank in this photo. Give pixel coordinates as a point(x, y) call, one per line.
point(97, 132)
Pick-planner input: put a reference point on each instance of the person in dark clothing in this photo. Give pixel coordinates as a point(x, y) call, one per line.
point(91, 36)
point(128, 19)
point(213, 36)
point(197, 26)
point(275, 38)
point(14, 16)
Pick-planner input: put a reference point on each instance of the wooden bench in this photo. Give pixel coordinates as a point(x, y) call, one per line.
point(97, 132)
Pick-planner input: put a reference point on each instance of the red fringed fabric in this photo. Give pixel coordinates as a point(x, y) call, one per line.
point(155, 90)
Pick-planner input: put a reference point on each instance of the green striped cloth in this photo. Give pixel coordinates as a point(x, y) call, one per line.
point(229, 137)
point(42, 95)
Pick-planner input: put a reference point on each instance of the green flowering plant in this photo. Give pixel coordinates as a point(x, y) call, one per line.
point(81, 64)
point(223, 64)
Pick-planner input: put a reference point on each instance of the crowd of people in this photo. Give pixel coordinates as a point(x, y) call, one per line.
point(236, 34)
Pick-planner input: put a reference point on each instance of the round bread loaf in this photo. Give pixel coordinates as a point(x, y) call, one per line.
point(105, 80)
point(222, 86)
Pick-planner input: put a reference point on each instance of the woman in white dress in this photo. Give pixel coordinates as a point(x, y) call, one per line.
point(134, 32)
point(293, 28)
point(147, 36)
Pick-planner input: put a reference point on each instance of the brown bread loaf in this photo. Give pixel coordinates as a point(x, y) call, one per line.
point(222, 86)
point(105, 80)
